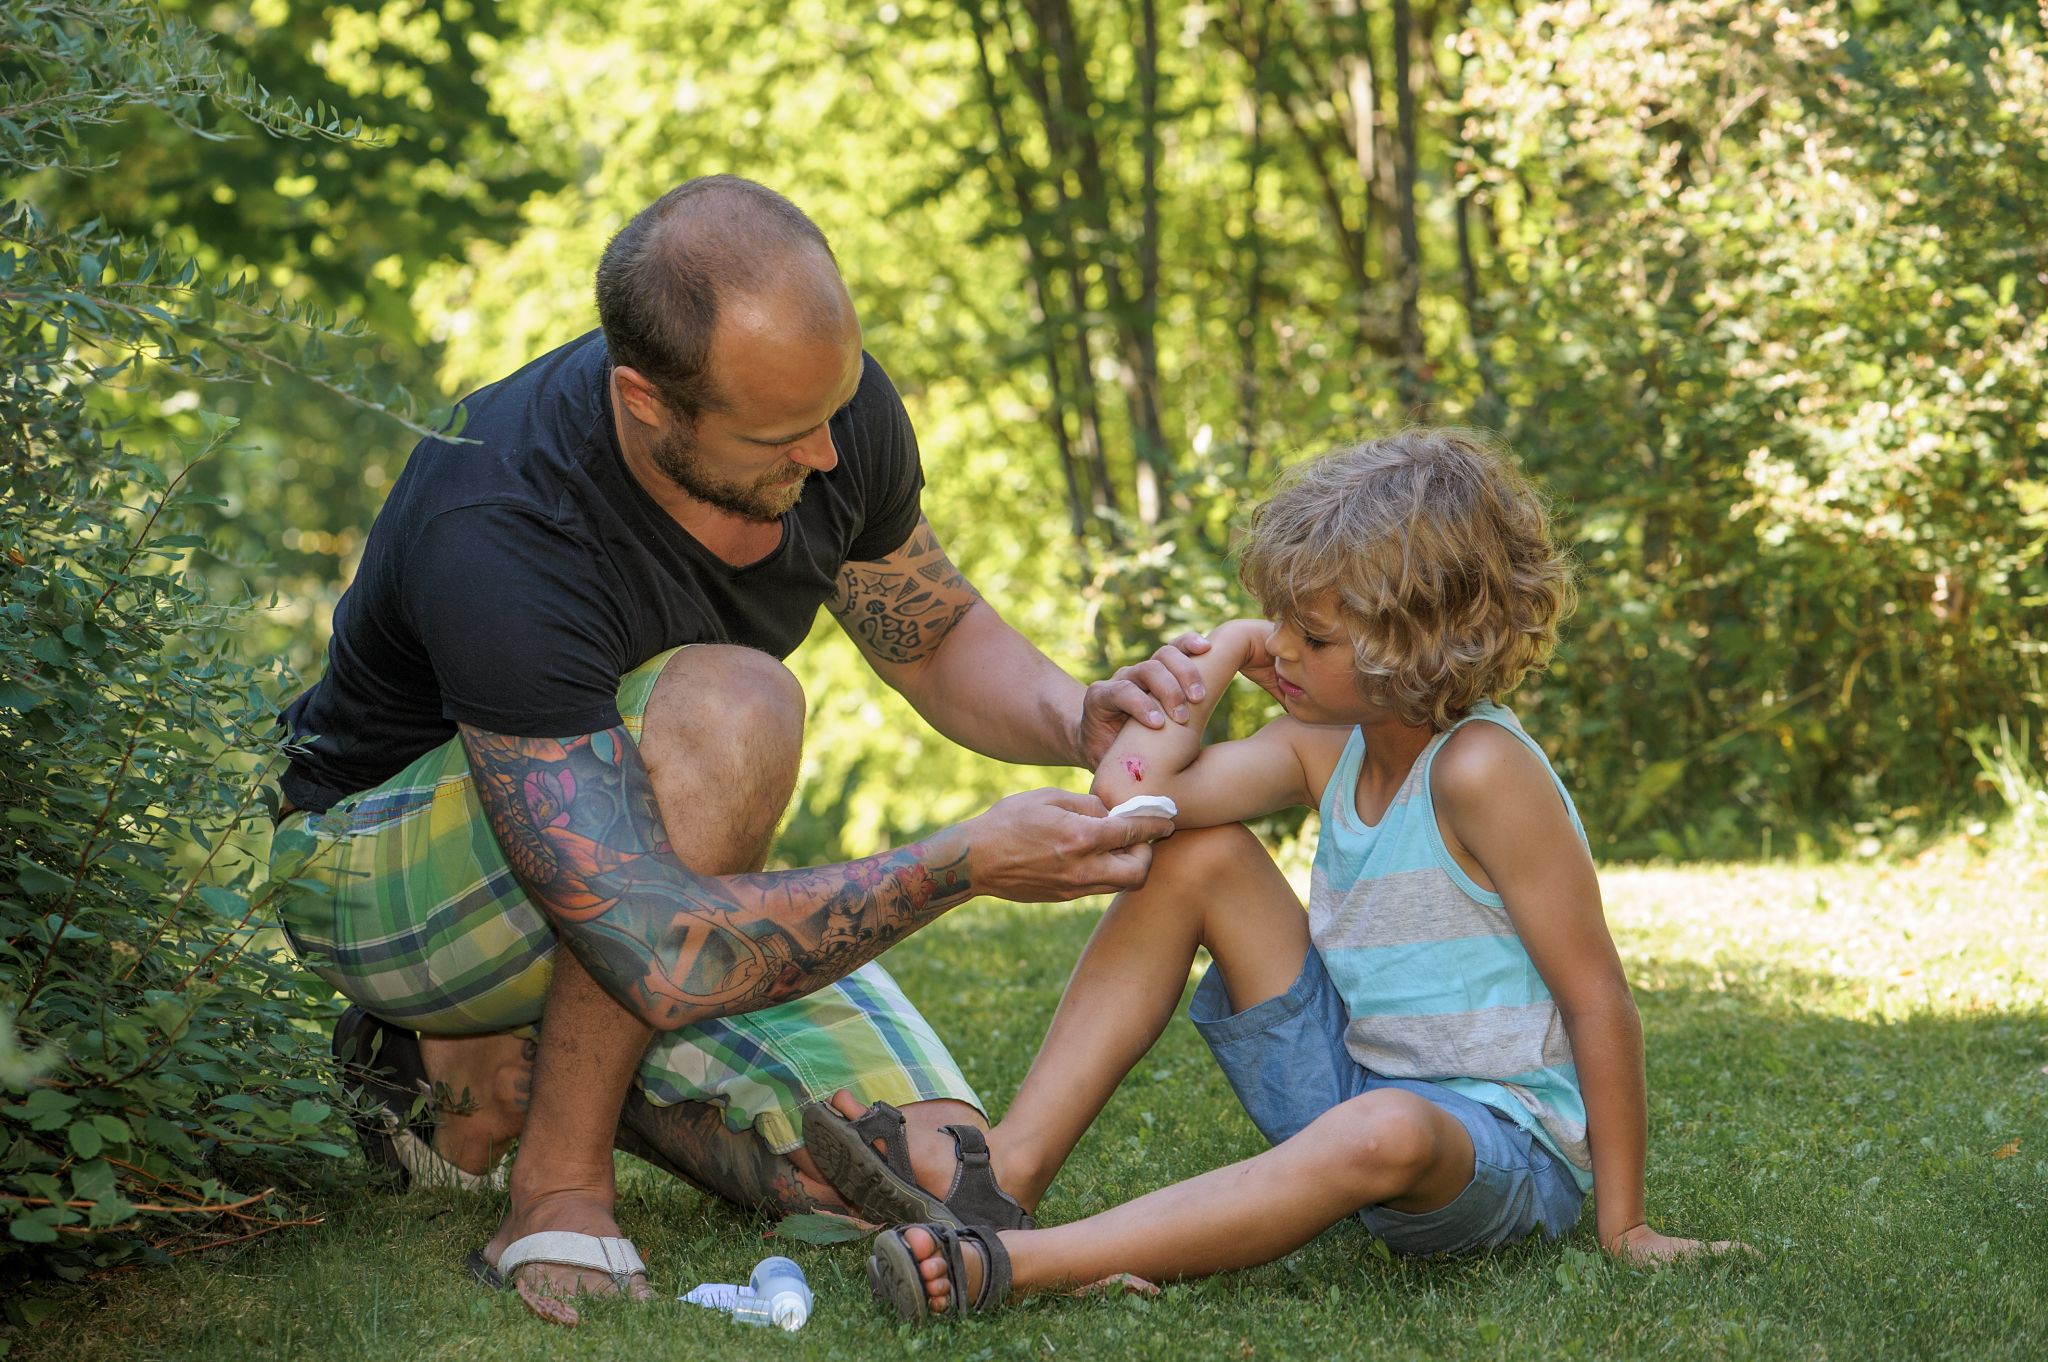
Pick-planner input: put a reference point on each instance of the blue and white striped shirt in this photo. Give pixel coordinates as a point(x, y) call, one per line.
point(1437, 984)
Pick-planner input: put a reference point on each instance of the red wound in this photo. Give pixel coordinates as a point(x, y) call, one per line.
point(1135, 769)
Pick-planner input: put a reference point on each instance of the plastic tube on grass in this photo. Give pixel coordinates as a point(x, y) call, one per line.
point(776, 1294)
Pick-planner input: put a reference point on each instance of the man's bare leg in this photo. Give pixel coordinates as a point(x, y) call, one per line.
point(482, 1085)
point(722, 738)
point(1213, 887)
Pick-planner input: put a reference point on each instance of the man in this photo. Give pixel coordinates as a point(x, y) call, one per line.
point(513, 748)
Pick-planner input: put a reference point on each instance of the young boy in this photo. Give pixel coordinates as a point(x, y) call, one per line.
point(1445, 1043)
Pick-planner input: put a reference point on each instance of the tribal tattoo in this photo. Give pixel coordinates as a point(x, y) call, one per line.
point(900, 609)
point(581, 830)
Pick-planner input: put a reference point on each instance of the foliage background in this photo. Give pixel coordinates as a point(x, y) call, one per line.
point(1755, 288)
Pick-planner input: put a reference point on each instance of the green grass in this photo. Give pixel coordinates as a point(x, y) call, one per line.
point(1838, 1057)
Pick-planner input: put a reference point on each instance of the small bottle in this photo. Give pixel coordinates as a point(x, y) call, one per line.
point(776, 1294)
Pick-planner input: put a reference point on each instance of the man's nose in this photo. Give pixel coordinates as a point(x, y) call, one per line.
point(816, 451)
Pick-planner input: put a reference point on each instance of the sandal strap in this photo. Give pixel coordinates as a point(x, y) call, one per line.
point(883, 1122)
point(975, 1195)
point(995, 1266)
point(611, 1255)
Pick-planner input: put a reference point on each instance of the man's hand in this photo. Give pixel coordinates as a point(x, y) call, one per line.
point(1048, 846)
point(1161, 686)
point(1642, 1246)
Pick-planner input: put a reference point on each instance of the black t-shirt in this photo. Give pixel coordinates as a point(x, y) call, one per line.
point(509, 583)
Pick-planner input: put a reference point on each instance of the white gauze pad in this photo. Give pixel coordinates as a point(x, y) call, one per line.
point(1147, 804)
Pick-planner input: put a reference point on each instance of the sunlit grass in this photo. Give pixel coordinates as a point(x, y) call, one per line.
point(1848, 1067)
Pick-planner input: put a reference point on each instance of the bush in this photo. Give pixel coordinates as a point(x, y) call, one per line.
point(158, 1062)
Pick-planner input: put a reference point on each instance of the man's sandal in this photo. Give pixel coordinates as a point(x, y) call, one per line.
point(894, 1277)
point(611, 1255)
point(879, 1184)
point(391, 1105)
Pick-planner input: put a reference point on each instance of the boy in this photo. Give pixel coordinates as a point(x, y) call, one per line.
point(1445, 1043)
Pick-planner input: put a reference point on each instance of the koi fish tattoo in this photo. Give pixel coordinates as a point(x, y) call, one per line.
point(581, 830)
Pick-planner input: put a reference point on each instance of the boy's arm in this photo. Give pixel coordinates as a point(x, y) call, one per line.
point(1499, 806)
point(1213, 785)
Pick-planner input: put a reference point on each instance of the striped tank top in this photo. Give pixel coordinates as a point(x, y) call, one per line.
point(1437, 984)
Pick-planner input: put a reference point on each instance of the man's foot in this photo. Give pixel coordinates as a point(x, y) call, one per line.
point(548, 1287)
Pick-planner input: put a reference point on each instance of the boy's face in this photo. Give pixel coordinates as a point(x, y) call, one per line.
point(1316, 667)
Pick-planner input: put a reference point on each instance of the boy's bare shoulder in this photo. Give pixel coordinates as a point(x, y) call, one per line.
point(1483, 765)
point(1318, 747)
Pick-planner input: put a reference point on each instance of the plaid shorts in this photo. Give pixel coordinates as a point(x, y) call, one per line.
point(418, 919)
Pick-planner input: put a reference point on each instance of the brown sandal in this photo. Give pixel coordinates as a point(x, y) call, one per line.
point(894, 1277)
point(880, 1186)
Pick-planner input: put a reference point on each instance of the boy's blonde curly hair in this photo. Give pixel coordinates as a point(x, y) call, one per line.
point(1439, 556)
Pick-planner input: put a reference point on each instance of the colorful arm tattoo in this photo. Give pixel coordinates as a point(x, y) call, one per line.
point(579, 825)
point(900, 609)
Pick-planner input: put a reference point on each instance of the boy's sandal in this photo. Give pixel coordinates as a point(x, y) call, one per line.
point(894, 1277)
point(879, 1184)
point(391, 1104)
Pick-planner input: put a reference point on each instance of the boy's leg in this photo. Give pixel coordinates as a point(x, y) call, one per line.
point(1387, 1147)
point(1212, 887)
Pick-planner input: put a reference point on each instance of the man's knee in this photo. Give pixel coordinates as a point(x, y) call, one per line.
point(714, 694)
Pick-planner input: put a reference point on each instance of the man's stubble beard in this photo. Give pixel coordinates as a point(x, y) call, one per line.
point(764, 501)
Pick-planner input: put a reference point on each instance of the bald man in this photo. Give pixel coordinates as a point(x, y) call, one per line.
point(554, 715)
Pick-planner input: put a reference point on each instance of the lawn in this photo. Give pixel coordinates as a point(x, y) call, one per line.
point(1848, 1068)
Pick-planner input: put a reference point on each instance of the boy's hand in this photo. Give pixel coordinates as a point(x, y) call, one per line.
point(1258, 666)
point(1645, 1247)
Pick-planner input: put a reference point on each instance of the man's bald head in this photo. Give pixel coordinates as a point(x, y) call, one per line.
point(684, 259)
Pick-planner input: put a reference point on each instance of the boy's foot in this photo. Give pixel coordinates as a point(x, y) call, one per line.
point(929, 1270)
point(888, 1165)
point(938, 1282)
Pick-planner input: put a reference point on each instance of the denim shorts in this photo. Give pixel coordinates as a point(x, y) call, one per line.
point(1285, 1058)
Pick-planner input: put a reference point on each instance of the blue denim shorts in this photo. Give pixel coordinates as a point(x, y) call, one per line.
point(1286, 1060)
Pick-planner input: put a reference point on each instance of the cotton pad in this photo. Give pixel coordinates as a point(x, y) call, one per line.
point(1140, 805)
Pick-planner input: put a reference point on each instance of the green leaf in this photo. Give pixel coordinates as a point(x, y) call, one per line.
point(86, 1140)
point(811, 1228)
point(305, 1113)
point(36, 879)
point(35, 1227)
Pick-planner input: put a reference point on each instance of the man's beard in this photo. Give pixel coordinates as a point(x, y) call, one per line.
point(763, 501)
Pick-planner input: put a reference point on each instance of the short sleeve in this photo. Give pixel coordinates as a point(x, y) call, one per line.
point(523, 635)
point(894, 473)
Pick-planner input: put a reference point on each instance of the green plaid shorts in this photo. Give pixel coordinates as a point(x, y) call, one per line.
point(417, 919)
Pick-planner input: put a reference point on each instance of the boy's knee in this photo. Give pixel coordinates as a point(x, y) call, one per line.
point(1392, 1131)
point(714, 693)
point(1204, 857)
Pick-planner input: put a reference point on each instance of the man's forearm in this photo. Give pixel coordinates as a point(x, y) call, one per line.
point(579, 825)
point(989, 689)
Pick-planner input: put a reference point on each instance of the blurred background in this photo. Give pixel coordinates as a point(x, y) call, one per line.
point(1754, 289)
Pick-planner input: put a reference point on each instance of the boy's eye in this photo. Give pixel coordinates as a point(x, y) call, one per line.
point(1313, 642)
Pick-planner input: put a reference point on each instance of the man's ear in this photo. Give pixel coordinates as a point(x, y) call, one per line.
point(642, 402)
